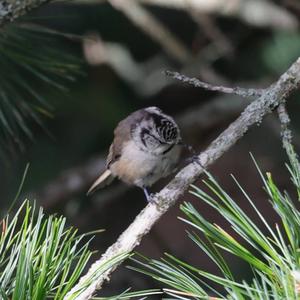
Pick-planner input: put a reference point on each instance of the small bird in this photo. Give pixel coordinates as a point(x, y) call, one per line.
point(146, 147)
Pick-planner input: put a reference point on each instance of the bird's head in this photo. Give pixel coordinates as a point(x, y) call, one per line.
point(157, 131)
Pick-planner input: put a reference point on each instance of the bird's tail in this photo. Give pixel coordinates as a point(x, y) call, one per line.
point(104, 179)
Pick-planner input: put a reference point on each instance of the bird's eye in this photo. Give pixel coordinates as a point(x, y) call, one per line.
point(148, 139)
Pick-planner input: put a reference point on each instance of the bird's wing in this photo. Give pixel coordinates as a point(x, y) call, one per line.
point(122, 134)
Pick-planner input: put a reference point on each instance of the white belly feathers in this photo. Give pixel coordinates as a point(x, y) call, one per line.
point(142, 168)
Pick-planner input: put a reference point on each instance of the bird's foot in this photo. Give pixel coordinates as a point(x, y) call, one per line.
point(194, 159)
point(149, 196)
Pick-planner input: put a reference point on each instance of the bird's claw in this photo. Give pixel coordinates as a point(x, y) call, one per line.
point(152, 199)
point(193, 158)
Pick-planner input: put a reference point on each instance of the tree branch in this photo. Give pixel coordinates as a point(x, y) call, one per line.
point(243, 92)
point(286, 133)
point(13, 9)
point(162, 201)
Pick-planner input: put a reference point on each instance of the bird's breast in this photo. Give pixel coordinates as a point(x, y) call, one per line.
point(142, 168)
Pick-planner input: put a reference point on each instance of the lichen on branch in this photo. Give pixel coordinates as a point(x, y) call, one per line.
point(12, 9)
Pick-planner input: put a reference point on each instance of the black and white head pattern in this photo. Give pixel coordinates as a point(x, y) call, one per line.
point(156, 131)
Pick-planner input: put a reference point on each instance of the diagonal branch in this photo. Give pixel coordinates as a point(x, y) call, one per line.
point(162, 201)
point(13, 9)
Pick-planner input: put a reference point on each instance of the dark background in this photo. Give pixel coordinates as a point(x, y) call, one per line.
point(65, 159)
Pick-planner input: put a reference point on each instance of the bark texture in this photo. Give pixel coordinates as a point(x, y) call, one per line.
point(12, 9)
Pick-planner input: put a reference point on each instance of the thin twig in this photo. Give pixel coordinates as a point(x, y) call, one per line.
point(286, 133)
point(167, 197)
point(145, 77)
point(244, 92)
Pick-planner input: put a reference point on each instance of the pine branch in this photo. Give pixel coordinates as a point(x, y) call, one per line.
point(24, 74)
point(253, 114)
point(13, 9)
point(270, 250)
point(39, 255)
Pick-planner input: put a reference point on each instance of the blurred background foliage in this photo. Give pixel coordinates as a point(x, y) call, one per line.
point(70, 70)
